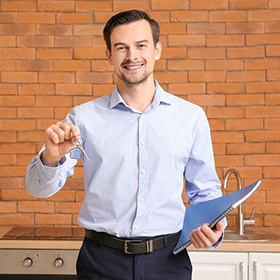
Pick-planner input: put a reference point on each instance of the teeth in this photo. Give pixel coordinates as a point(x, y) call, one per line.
point(133, 67)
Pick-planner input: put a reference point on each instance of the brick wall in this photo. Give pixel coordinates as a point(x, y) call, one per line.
point(220, 54)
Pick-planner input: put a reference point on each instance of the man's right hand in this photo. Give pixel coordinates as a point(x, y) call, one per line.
point(59, 140)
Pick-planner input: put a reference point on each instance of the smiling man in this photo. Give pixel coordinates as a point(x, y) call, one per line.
point(141, 143)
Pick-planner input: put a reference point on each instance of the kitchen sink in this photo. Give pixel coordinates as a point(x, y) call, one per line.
point(250, 236)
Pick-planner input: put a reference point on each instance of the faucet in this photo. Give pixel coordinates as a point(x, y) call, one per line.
point(241, 222)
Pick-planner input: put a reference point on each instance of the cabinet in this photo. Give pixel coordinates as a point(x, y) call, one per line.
point(235, 266)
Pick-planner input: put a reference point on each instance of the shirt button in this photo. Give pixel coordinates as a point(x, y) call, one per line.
point(143, 171)
point(141, 199)
point(136, 227)
point(142, 143)
point(141, 117)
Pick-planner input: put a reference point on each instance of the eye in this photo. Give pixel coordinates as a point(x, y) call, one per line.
point(142, 46)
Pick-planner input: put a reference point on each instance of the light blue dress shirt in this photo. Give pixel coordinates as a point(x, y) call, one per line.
point(138, 161)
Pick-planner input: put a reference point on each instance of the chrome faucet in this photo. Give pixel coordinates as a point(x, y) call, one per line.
point(241, 222)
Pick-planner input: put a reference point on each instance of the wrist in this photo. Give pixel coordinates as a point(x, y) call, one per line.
point(48, 160)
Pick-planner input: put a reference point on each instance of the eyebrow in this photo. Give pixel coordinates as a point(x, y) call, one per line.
point(138, 42)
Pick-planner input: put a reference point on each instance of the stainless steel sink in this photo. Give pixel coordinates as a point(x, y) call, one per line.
point(250, 236)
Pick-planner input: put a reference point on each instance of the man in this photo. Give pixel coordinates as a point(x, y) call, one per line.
point(141, 142)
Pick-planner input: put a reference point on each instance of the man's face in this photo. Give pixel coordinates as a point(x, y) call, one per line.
point(133, 52)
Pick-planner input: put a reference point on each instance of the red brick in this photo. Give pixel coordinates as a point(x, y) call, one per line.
point(73, 41)
point(78, 101)
point(34, 113)
point(260, 87)
point(43, 124)
point(68, 207)
point(186, 40)
point(264, 39)
point(263, 112)
point(34, 65)
point(103, 17)
point(188, 16)
point(17, 148)
point(7, 160)
point(61, 113)
point(225, 40)
point(36, 89)
point(185, 65)
point(159, 16)
point(263, 15)
point(245, 99)
point(246, 76)
point(248, 4)
point(272, 124)
point(273, 99)
point(206, 53)
point(56, 6)
point(7, 41)
point(171, 77)
point(245, 148)
point(187, 88)
point(54, 101)
point(31, 136)
point(6, 17)
point(18, 5)
point(7, 113)
point(206, 28)
point(263, 135)
point(225, 112)
point(74, 89)
point(88, 29)
point(225, 88)
point(262, 63)
point(12, 171)
point(273, 147)
point(35, 41)
point(273, 50)
point(53, 30)
point(272, 27)
point(94, 78)
point(169, 5)
point(244, 124)
point(72, 65)
point(17, 29)
point(207, 100)
point(69, 18)
point(89, 6)
point(273, 4)
point(229, 161)
point(101, 90)
point(227, 137)
point(16, 219)
point(273, 75)
point(89, 53)
point(219, 149)
point(36, 17)
point(36, 206)
point(262, 160)
point(225, 64)
point(17, 101)
point(16, 195)
point(246, 52)
point(8, 89)
point(54, 53)
point(19, 77)
point(227, 16)
point(173, 52)
point(53, 219)
point(129, 5)
point(104, 66)
point(247, 27)
point(209, 5)
point(7, 137)
point(17, 53)
point(207, 76)
point(271, 172)
point(7, 65)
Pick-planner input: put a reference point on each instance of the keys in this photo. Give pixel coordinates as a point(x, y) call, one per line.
point(78, 151)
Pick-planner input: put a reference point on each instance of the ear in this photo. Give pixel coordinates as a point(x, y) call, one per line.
point(109, 56)
point(158, 49)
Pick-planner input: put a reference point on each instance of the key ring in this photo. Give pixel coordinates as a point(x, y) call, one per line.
point(78, 151)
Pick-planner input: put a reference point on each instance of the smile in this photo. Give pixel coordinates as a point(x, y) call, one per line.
point(133, 67)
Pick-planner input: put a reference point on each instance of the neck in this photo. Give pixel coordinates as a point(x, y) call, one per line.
point(138, 96)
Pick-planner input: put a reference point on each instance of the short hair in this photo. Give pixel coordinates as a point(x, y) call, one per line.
point(128, 17)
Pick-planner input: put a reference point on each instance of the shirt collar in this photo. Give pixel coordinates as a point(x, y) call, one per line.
point(160, 97)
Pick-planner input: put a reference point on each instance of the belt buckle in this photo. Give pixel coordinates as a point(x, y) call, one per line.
point(149, 245)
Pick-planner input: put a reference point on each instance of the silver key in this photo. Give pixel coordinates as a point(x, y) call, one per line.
point(78, 150)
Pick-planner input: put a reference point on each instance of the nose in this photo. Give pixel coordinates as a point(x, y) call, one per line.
point(132, 54)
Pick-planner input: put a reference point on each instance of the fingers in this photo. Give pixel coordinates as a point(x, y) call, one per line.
point(204, 236)
point(60, 132)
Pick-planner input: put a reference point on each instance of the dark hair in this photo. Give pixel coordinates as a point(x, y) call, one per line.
point(128, 17)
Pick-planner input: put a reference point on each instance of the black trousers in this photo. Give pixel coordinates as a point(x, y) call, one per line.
point(96, 262)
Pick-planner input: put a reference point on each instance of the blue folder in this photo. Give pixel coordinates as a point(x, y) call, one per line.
point(211, 212)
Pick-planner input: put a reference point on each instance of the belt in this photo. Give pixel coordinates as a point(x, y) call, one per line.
point(133, 246)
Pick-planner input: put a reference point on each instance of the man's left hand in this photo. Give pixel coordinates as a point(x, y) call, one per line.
point(204, 236)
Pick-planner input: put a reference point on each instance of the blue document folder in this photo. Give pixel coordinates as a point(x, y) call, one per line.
point(211, 212)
